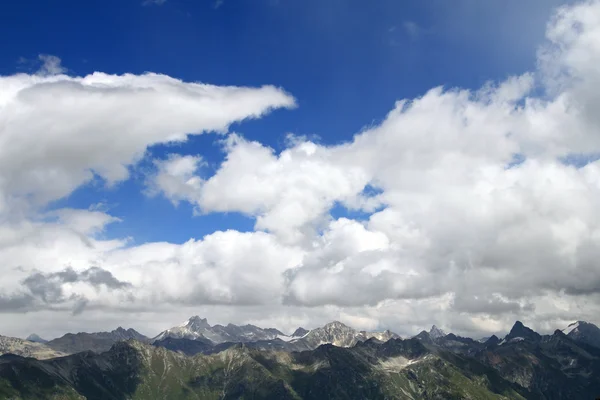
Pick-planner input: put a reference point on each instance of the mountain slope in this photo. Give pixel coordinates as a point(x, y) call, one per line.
point(339, 335)
point(199, 328)
point(584, 332)
point(300, 332)
point(26, 348)
point(395, 370)
point(97, 342)
point(36, 338)
point(551, 366)
point(436, 333)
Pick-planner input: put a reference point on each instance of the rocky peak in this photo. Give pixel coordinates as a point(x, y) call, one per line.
point(436, 333)
point(424, 337)
point(584, 332)
point(492, 340)
point(335, 325)
point(35, 338)
point(521, 331)
point(299, 332)
point(196, 323)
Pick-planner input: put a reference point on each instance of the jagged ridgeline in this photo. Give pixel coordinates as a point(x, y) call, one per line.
point(431, 365)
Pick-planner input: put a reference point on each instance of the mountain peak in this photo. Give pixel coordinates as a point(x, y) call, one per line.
point(492, 340)
point(335, 325)
point(521, 331)
point(36, 338)
point(300, 332)
point(423, 336)
point(585, 332)
point(195, 323)
point(436, 332)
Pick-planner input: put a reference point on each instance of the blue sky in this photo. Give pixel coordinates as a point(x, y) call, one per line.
point(423, 203)
point(345, 61)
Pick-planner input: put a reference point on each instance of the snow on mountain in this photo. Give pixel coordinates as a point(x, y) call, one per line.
point(300, 332)
point(199, 328)
point(584, 332)
point(340, 335)
point(572, 327)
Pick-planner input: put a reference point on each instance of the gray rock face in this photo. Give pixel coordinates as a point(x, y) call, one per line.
point(436, 333)
point(199, 328)
point(339, 335)
point(300, 332)
point(26, 348)
point(584, 332)
point(97, 342)
point(335, 333)
point(521, 332)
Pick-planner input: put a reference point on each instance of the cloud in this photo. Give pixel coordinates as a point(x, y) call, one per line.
point(59, 289)
point(51, 65)
point(451, 230)
point(289, 193)
point(64, 131)
point(412, 29)
point(458, 219)
point(175, 178)
point(49, 286)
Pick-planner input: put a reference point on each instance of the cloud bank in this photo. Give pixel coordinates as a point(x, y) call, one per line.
point(477, 207)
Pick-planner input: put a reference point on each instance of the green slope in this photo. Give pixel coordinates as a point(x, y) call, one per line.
point(132, 370)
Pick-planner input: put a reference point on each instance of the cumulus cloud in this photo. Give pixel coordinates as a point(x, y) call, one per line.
point(58, 132)
point(459, 217)
point(470, 216)
point(289, 193)
point(175, 178)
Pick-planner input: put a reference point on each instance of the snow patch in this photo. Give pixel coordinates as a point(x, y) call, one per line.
point(396, 364)
point(571, 328)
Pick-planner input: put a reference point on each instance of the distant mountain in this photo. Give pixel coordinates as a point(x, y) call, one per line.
point(436, 333)
point(338, 334)
point(35, 338)
point(334, 333)
point(492, 341)
point(521, 332)
point(550, 366)
point(334, 361)
point(424, 336)
point(584, 332)
point(97, 342)
point(26, 348)
point(199, 328)
point(299, 332)
point(274, 331)
point(397, 369)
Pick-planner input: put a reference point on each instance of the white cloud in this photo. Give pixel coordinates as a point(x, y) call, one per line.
point(51, 65)
point(58, 131)
point(457, 220)
point(176, 178)
point(458, 234)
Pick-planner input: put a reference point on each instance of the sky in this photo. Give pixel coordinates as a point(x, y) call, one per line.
point(388, 164)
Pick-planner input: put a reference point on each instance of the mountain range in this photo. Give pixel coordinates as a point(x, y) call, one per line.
point(334, 362)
